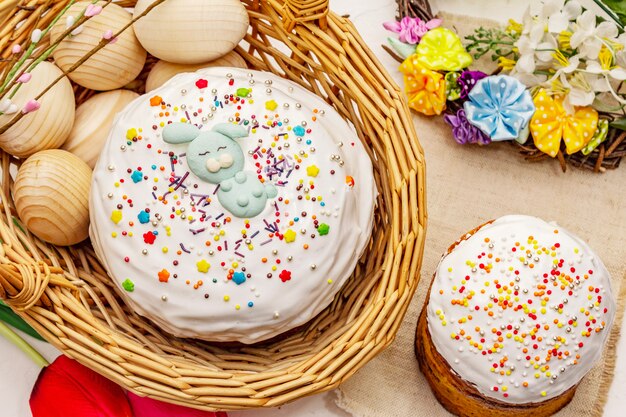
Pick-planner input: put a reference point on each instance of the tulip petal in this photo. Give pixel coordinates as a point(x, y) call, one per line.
point(147, 407)
point(66, 388)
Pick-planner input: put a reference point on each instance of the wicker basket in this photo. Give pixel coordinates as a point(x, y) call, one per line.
point(66, 295)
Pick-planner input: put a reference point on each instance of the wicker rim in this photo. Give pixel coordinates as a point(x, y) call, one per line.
point(65, 294)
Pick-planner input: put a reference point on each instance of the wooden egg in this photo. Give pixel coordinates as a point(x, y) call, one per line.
point(45, 128)
point(163, 70)
point(191, 31)
point(93, 121)
point(51, 194)
point(113, 66)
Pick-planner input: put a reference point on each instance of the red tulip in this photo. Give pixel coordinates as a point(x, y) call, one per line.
point(65, 388)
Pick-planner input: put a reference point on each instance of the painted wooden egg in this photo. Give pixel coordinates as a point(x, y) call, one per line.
point(111, 67)
point(163, 70)
point(51, 194)
point(49, 120)
point(93, 121)
point(191, 31)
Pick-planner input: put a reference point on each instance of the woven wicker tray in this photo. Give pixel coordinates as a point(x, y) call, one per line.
point(66, 295)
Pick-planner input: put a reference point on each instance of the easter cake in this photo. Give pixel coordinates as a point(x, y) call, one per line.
point(230, 205)
point(517, 314)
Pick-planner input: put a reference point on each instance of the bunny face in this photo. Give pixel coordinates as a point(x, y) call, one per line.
point(214, 157)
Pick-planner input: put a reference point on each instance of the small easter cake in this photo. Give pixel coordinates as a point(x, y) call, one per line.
point(518, 312)
point(231, 205)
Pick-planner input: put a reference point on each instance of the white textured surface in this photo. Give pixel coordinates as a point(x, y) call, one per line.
point(264, 305)
point(18, 373)
point(497, 277)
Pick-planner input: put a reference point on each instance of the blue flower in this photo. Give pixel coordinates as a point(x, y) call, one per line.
point(500, 106)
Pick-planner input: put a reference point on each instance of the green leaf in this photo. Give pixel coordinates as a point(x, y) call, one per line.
point(8, 316)
point(618, 7)
point(619, 124)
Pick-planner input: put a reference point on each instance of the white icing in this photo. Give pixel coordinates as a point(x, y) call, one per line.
point(468, 361)
point(317, 274)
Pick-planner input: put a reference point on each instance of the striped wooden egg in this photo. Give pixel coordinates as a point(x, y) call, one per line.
point(163, 70)
point(93, 120)
point(49, 126)
point(191, 31)
point(51, 194)
point(113, 66)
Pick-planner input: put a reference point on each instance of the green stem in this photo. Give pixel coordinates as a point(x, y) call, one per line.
point(610, 12)
point(14, 338)
point(32, 47)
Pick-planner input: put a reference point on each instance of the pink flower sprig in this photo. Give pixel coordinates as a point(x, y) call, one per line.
point(411, 29)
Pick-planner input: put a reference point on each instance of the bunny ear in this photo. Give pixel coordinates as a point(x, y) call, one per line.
point(180, 133)
point(231, 130)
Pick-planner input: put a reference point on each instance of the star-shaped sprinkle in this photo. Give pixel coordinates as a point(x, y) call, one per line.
point(323, 229)
point(128, 285)
point(143, 216)
point(136, 176)
point(149, 238)
point(116, 216)
point(164, 275)
point(299, 131)
point(312, 170)
point(271, 105)
point(202, 83)
point(203, 266)
point(131, 133)
point(285, 275)
point(239, 278)
point(243, 92)
point(156, 101)
point(290, 236)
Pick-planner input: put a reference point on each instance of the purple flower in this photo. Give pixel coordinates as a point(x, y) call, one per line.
point(411, 29)
point(467, 80)
point(464, 132)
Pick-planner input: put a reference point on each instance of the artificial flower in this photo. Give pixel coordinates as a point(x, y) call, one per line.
point(404, 50)
point(588, 38)
point(500, 106)
point(411, 29)
point(598, 137)
point(463, 131)
point(453, 89)
point(551, 123)
point(535, 48)
point(606, 73)
point(441, 50)
point(426, 89)
point(467, 80)
point(579, 91)
point(557, 13)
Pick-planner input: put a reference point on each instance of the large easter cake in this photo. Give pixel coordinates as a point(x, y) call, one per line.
point(231, 205)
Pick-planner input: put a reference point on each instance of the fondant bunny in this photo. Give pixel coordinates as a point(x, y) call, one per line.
point(216, 157)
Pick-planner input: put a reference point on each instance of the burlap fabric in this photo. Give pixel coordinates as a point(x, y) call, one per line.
point(466, 186)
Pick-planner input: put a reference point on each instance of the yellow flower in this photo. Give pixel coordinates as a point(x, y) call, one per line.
point(441, 50)
point(551, 123)
point(606, 58)
point(564, 40)
point(514, 27)
point(505, 63)
point(426, 89)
